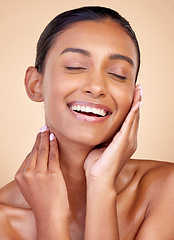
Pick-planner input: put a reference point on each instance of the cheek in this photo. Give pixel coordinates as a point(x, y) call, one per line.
point(126, 102)
point(123, 98)
point(56, 89)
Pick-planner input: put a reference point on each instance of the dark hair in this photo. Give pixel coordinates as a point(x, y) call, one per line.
point(61, 22)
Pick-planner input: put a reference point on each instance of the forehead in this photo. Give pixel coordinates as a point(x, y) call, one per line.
point(104, 37)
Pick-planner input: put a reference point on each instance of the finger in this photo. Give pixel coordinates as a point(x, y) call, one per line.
point(131, 122)
point(134, 130)
point(132, 139)
point(53, 164)
point(118, 145)
point(138, 94)
point(24, 164)
point(21, 170)
point(130, 146)
point(137, 102)
point(31, 164)
point(43, 151)
point(128, 123)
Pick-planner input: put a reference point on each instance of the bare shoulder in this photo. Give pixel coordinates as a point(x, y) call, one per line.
point(15, 215)
point(154, 178)
point(156, 187)
point(155, 173)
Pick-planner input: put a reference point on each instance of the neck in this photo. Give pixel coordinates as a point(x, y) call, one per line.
point(71, 158)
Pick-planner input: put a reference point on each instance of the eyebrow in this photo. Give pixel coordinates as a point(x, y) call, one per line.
point(114, 56)
point(76, 50)
point(122, 57)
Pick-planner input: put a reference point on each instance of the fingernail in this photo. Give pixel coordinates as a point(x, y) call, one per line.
point(139, 87)
point(140, 104)
point(43, 129)
point(141, 92)
point(52, 136)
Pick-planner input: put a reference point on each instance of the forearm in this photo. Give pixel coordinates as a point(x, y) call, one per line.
point(101, 214)
point(52, 229)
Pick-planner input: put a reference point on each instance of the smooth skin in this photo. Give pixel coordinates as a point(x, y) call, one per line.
point(69, 186)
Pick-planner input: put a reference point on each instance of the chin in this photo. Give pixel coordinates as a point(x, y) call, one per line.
point(93, 140)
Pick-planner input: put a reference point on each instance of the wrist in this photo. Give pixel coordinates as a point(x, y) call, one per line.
point(101, 185)
point(100, 190)
point(52, 228)
point(52, 218)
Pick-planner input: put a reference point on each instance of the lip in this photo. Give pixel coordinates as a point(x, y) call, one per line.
point(86, 118)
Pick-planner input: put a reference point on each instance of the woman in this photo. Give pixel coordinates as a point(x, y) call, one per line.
point(79, 182)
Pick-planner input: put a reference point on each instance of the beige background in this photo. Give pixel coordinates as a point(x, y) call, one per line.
point(21, 23)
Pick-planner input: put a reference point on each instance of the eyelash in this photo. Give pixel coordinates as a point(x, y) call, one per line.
point(118, 76)
point(75, 68)
point(82, 68)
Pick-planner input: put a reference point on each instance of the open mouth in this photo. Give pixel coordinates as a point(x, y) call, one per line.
point(89, 111)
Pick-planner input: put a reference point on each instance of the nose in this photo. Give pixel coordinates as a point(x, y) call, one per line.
point(94, 85)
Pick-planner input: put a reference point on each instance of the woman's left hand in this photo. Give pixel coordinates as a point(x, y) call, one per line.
point(104, 164)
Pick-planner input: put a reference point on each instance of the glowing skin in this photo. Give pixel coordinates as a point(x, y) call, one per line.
point(87, 67)
point(68, 189)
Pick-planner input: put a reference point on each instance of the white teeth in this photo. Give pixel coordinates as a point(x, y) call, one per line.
point(88, 109)
point(82, 108)
point(102, 112)
point(97, 111)
point(75, 108)
point(78, 108)
point(94, 110)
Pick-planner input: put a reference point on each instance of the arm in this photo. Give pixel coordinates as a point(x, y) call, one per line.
point(102, 168)
point(42, 185)
point(159, 220)
point(101, 213)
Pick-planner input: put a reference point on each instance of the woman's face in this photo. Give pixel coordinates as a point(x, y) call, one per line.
point(88, 82)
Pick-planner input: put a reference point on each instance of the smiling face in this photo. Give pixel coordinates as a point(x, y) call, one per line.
point(88, 81)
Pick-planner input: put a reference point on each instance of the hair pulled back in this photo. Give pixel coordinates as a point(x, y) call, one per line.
point(61, 22)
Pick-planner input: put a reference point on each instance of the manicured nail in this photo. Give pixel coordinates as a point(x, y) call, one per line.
point(140, 104)
point(43, 129)
point(52, 136)
point(139, 87)
point(141, 92)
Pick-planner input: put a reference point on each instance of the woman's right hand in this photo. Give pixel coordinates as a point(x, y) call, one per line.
point(42, 184)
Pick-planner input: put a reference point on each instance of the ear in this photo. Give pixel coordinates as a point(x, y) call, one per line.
point(33, 84)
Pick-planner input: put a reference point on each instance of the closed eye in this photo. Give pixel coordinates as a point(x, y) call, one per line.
point(117, 76)
point(75, 68)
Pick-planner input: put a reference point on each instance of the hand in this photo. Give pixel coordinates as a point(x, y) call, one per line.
point(106, 163)
point(41, 181)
